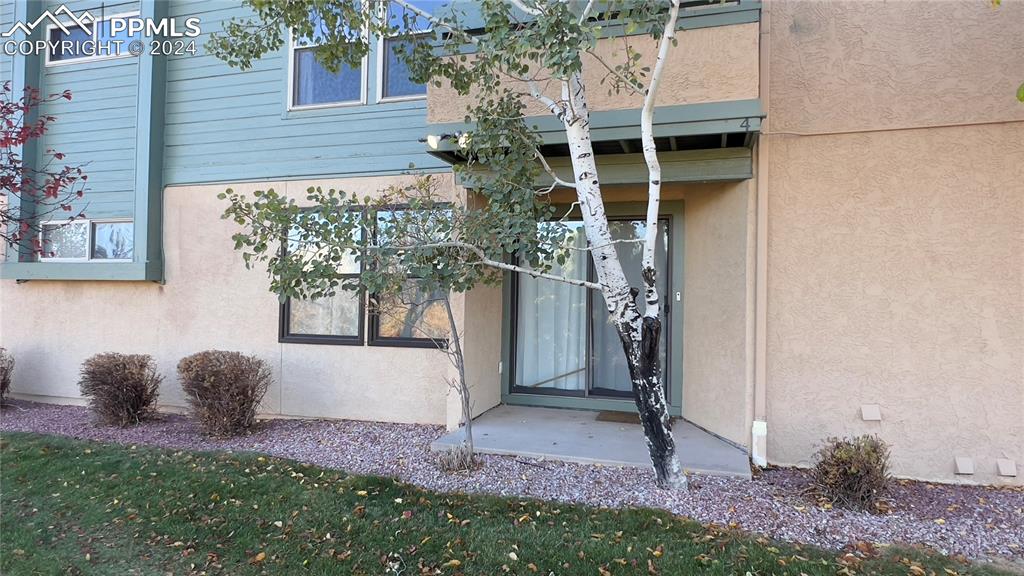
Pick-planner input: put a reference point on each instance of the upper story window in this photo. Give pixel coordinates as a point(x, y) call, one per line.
point(313, 85)
point(108, 39)
point(394, 82)
point(86, 240)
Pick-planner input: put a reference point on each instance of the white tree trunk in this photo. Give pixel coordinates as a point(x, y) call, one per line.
point(461, 385)
point(639, 335)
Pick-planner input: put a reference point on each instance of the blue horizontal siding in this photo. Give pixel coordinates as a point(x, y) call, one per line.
point(226, 125)
point(97, 128)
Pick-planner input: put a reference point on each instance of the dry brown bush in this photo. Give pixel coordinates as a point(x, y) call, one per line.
point(457, 458)
point(224, 389)
point(852, 472)
point(122, 388)
point(6, 373)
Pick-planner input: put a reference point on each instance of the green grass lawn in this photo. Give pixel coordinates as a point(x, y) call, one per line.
point(71, 507)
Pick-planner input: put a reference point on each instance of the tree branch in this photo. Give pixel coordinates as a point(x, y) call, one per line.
point(633, 85)
point(586, 12)
point(652, 309)
point(551, 172)
point(436, 21)
point(522, 6)
point(483, 259)
point(552, 106)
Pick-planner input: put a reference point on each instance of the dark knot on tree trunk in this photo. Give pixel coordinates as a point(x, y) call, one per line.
point(650, 335)
point(650, 275)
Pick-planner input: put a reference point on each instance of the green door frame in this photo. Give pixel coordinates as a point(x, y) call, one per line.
point(674, 210)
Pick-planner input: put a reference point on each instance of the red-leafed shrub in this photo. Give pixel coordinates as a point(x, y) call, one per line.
point(53, 186)
point(224, 389)
point(122, 388)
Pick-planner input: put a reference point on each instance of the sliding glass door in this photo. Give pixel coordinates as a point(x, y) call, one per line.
point(564, 343)
point(551, 326)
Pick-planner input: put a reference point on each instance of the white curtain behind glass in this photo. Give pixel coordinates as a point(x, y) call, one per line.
point(551, 332)
point(610, 369)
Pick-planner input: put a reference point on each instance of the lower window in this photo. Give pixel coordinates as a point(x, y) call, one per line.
point(417, 317)
point(336, 319)
point(86, 240)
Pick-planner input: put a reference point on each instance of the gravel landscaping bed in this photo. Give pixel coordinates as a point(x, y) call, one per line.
point(972, 521)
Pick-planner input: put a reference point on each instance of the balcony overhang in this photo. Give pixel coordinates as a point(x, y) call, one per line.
point(709, 142)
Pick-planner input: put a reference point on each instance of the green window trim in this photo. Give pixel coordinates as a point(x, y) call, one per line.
point(674, 209)
point(113, 271)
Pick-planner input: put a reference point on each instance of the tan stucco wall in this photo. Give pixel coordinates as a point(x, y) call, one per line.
point(896, 255)
point(848, 65)
point(482, 334)
point(895, 278)
point(716, 387)
point(707, 65)
point(211, 301)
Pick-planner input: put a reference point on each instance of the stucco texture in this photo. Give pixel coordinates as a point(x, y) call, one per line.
point(482, 348)
point(717, 392)
point(895, 256)
point(210, 300)
point(707, 65)
point(850, 65)
point(895, 278)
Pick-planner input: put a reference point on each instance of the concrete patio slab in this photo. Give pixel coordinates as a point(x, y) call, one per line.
point(577, 436)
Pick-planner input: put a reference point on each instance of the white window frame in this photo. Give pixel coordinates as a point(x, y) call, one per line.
point(290, 98)
point(95, 32)
point(381, 98)
point(89, 223)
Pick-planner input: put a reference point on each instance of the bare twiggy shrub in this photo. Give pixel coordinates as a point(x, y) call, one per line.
point(852, 472)
point(457, 458)
point(6, 373)
point(122, 388)
point(224, 389)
